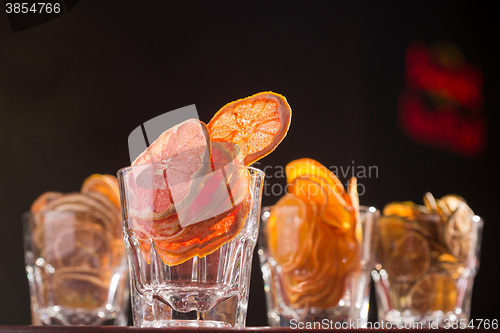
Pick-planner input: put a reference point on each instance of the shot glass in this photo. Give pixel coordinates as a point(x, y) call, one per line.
point(76, 268)
point(425, 268)
point(307, 292)
point(190, 230)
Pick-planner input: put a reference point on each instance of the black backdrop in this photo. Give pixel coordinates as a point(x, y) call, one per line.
point(72, 89)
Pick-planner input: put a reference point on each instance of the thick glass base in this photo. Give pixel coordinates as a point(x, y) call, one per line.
point(76, 317)
point(186, 323)
point(227, 313)
point(430, 320)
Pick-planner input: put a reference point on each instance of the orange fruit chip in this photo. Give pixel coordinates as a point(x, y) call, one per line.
point(43, 200)
point(402, 209)
point(187, 209)
point(390, 230)
point(203, 238)
point(80, 288)
point(80, 244)
point(104, 184)
point(257, 124)
point(338, 211)
point(287, 228)
point(308, 190)
point(353, 194)
point(434, 292)
point(458, 230)
point(411, 258)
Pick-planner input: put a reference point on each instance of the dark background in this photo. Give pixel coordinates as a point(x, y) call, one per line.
point(72, 89)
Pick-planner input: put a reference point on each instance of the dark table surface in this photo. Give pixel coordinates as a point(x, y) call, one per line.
point(114, 329)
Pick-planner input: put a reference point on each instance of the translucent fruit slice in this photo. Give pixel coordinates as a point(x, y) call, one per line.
point(458, 230)
point(406, 209)
point(391, 230)
point(434, 292)
point(80, 244)
point(287, 229)
point(104, 184)
point(186, 148)
point(338, 210)
point(80, 288)
point(398, 294)
point(309, 190)
point(353, 194)
point(452, 201)
point(43, 200)
point(257, 124)
point(81, 204)
point(204, 238)
point(411, 258)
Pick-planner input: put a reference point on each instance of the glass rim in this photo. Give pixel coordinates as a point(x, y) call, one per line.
point(432, 217)
point(57, 211)
point(132, 167)
point(371, 209)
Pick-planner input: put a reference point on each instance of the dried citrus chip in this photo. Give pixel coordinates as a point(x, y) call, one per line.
point(458, 230)
point(410, 259)
point(390, 231)
point(430, 203)
point(353, 194)
point(338, 211)
point(80, 288)
point(203, 238)
point(452, 201)
point(79, 244)
point(406, 209)
point(308, 190)
point(104, 184)
point(398, 293)
point(41, 202)
point(257, 124)
point(451, 265)
point(434, 292)
point(287, 228)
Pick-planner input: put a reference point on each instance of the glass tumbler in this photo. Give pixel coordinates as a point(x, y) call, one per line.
point(190, 230)
point(327, 281)
point(76, 267)
point(426, 267)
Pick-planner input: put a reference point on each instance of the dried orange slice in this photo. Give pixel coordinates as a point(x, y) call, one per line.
point(80, 244)
point(411, 258)
point(390, 230)
point(353, 194)
point(309, 190)
point(180, 208)
point(257, 124)
point(458, 230)
point(398, 294)
point(287, 229)
point(80, 288)
point(187, 150)
point(430, 203)
point(434, 292)
point(406, 209)
point(43, 200)
point(104, 184)
point(452, 201)
point(205, 237)
point(338, 210)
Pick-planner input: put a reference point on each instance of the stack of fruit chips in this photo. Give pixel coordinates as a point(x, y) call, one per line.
point(426, 251)
point(314, 234)
point(186, 213)
point(79, 237)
